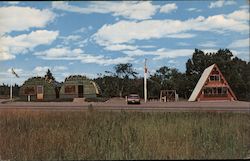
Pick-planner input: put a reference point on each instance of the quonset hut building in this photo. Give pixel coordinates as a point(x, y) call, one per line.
point(38, 89)
point(78, 86)
point(212, 86)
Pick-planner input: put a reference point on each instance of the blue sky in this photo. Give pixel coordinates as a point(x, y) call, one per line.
point(91, 37)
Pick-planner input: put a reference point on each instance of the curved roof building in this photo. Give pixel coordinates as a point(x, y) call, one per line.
point(78, 86)
point(39, 89)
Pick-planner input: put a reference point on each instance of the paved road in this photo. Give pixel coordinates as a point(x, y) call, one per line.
point(183, 106)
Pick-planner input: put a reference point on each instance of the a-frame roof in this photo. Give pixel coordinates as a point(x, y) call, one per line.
point(202, 81)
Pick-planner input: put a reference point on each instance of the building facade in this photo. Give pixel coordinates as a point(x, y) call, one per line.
point(78, 86)
point(38, 89)
point(212, 86)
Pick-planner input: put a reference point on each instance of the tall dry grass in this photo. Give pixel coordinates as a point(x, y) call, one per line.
point(27, 135)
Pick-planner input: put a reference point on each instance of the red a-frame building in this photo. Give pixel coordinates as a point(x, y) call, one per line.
point(212, 86)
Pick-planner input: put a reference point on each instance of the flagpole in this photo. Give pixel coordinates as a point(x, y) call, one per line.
point(11, 87)
point(145, 81)
point(14, 73)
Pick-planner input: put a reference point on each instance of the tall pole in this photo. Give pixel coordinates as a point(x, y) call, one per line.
point(145, 81)
point(11, 87)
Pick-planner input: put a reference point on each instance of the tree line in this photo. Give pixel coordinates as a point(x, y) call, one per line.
point(124, 80)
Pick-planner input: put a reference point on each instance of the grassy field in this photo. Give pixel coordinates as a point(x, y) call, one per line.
point(27, 135)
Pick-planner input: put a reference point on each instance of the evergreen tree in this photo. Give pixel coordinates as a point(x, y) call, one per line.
point(48, 76)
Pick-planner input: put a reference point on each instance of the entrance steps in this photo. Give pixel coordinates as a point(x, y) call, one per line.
point(79, 100)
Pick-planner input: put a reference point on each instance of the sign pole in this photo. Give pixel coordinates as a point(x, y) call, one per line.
point(11, 87)
point(145, 81)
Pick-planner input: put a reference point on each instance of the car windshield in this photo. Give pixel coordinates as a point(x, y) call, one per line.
point(133, 96)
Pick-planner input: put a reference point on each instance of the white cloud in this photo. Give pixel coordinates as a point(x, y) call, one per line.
point(161, 53)
point(130, 10)
point(181, 35)
point(168, 8)
point(78, 54)
point(216, 4)
point(209, 50)
point(239, 15)
point(70, 38)
point(82, 43)
point(240, 43)
point(172, 53)
point(243, 54)
point(183, 44)
point(221, 3)
point(24, 74)
point(40, 71)
point(230, 2)
point(6, 56)
point(194, 9)
point(101, 60)
point(60, 53)
point(90, 27)
point(58, 72)
point(191, 9)
point(117, 47)
point(59, 68)
point(208, 44)
point(172, 61)
point(25, 42)
point(14, 18)
point(13, 2)
point(244, 7)
point(127, 31)
point(81, 30)
point(147, 46)
point(214, 50)
point(7, 75)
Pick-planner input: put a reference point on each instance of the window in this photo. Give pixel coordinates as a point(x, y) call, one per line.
point(40, 89)
point(69, 89)
point(29, 90)
point(214, 77)
point(215, 91)
point(208, 91)
point(219, 90)
point(224, 90)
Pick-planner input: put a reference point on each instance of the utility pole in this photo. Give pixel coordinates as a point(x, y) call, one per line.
point(14, 73)
point(11, 87)
point(145, 80)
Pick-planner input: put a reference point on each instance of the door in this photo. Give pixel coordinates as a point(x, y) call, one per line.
point(57, 90)
point(39, 93)
point(80, 91)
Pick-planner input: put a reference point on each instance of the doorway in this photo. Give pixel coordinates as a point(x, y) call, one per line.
point(80, 91)
point(39, 94)
point(57, 90)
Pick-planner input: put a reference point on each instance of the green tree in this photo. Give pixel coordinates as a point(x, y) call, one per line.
point(234, 70)
point(49, 76)
point(108, 85)
point(120, 82)
point(124, 72)
point(166, 78)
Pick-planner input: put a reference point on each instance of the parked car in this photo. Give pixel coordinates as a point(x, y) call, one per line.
point(133, 99)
